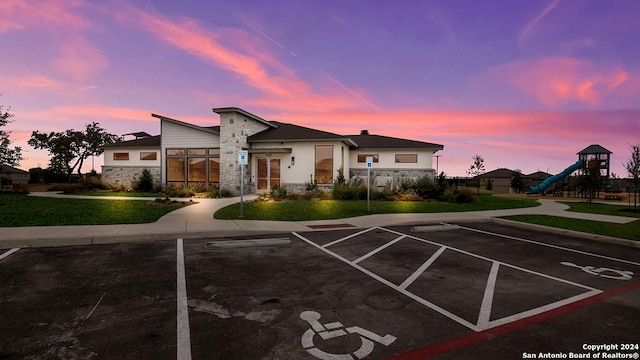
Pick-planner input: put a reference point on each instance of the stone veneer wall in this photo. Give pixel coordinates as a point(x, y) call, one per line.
point(125, 176)
point(380, 177)
point(234, 130)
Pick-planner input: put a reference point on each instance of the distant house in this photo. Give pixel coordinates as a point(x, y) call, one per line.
point(10, 176)
point(281, 154)
point(500, 180)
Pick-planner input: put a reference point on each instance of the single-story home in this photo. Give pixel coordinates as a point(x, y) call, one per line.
point(10, 176)
point(278, 154)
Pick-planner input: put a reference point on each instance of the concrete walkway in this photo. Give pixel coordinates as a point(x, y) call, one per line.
point(197, 220)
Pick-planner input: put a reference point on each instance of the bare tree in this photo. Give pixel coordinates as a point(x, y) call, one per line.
point(476, 169)
point(633, 167)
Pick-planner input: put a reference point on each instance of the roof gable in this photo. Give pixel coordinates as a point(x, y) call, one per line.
point(594, 149)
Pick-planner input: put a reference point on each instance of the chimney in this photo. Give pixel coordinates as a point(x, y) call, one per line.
point(364, 132)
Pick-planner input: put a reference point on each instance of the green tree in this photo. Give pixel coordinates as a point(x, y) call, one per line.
point(8, 156)
point(476, 169)
point(145, 181)
point(516, 181)
point(69, 149)
point(633, 168)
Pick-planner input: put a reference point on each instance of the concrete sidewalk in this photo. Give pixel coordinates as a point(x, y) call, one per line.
point(196, 221)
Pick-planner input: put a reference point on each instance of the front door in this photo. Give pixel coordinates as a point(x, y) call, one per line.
point(268, 173)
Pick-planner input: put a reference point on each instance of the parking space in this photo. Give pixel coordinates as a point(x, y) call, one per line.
point(445, 291)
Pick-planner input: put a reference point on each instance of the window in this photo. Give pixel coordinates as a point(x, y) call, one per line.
point(121, 156)
point(175, 152)
point(324, 164)
point(148, 155)
point(196, 151)
point(175, 171)
point(362, 158)
point(196, 171)
point(406, 158)
point(193, 166)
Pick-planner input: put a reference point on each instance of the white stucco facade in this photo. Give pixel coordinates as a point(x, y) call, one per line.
point(282, 154)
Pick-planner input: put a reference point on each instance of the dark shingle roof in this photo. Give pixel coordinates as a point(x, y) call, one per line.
point(386, 142)
point(499, 173)
point(151, 141)
point(594, 149)
point(290, 132)
point(11, 169)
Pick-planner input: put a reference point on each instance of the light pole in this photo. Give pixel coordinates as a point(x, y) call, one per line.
point(437, 160)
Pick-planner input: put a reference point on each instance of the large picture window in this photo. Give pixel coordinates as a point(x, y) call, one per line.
point(175, 171)
point(188, 167)
point(324, 164)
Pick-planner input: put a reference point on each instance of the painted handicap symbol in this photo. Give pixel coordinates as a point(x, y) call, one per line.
point(604, 272)
point(334, 330)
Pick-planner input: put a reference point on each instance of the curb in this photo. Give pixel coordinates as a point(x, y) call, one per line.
point(578, 234)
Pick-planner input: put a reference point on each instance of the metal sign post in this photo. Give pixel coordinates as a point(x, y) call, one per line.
point(369, 160)
point(243, 159)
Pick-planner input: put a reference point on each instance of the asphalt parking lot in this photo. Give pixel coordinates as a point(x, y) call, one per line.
point(481, 290)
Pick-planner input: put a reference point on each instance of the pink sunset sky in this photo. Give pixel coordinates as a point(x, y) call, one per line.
point(524, 84)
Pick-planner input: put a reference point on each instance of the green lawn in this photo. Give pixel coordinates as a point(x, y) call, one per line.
point(335, 209)
point(629, 231)
point(22, 210)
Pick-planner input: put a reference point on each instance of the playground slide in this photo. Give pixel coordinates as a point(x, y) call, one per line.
point(566, 172)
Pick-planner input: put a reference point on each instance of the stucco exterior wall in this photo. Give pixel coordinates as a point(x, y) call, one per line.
point(387, 159)
point(134, 157)
point(295, 175)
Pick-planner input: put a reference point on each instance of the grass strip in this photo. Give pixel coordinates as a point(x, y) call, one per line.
point(630, 231)
point(21, 210)
point(335, 209)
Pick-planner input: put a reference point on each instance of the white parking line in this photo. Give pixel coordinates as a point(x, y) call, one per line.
point(487, 300)
point(483, 322)
point(550, 245)
point(365, 256)
point(422, 268)
point(184, 334)
point(8, 253)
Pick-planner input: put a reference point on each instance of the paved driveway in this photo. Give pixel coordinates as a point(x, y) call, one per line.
point(466, 290)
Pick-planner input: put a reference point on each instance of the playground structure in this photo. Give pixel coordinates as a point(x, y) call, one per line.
point(593, 162)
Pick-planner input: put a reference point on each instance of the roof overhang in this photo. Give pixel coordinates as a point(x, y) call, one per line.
point(270, 151)
point(182, 123)
point(243, 112)
point(346, 141)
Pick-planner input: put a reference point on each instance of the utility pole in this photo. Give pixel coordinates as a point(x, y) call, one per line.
point(437, 160)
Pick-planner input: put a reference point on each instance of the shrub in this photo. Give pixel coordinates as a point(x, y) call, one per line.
point(354, 189)
point(406, 185)
point(340, 179)
point(312, 184)
point(144, 182)
point(278, 192)
point(428, 188)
